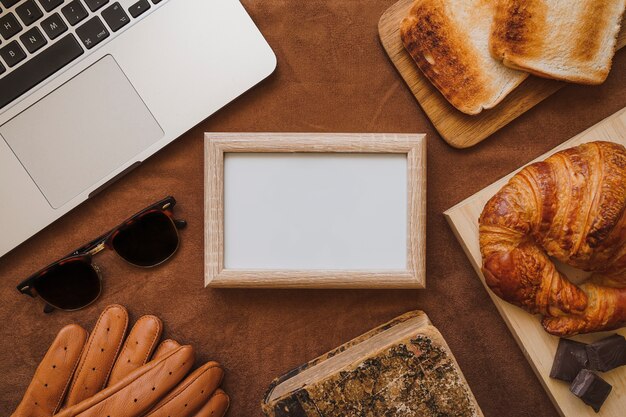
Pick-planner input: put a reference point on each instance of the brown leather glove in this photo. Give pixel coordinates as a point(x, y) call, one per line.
point(102, 376)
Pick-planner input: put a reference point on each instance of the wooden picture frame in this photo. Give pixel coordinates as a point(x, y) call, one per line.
point(219, 144)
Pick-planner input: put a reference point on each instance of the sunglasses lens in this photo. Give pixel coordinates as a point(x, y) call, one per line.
point(69, 285)
point(148, 241)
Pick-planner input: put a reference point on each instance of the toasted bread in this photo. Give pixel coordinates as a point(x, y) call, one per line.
point(565, 40)
point(449, 42)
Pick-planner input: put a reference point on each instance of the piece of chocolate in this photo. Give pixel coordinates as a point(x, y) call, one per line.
point(570, 358)
point(590, 388)
point(607, 354)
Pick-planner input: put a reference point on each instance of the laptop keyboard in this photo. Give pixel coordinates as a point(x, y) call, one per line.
point(40, 37)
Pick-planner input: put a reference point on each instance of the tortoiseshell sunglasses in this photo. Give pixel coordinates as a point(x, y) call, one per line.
point(146, 239)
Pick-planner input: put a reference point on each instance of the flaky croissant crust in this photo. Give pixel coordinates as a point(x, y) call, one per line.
point(570, 207)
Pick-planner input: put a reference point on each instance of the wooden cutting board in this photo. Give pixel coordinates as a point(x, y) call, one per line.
point(538, 346)
point(459, 129)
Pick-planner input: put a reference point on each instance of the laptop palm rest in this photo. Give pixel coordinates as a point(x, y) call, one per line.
point(82, 132)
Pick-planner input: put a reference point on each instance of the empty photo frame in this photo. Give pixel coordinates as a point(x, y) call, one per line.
point(315, 210)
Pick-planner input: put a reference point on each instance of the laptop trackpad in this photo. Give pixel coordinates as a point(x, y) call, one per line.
point(82, 132)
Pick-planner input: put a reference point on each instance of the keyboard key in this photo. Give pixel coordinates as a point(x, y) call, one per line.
point(95, 4)
point(29, 12)
point(12, 54)
point(115, 16)
point(156, 1)
point(54, 26)
point(92, 32)
point(9, 25)
point(74, 12)
point(139, 8)
point(33, 40)
point(48, 5)
point(38, 68)
point(9, 3)
point(2, 69)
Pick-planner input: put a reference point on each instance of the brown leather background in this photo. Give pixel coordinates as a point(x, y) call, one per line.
point(332, 76)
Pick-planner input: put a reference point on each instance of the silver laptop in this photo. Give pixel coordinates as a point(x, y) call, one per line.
point(91, 88)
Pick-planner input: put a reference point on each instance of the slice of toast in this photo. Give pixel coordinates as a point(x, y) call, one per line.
point(449, 42)
point(565, 40)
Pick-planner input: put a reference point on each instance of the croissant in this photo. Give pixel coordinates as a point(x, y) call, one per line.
point(570, 207)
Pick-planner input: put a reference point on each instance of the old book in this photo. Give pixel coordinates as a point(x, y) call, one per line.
point(402, 368)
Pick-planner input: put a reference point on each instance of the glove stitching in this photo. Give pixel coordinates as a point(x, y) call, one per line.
point(222, 394)
point(163, 343)
point(117, 351)
point(65, 390)
point(126, 347)
point(217, 393)
point(184, 388)
point(119, 388)
point(157, 333)
point(85, 352)
point(88, 349)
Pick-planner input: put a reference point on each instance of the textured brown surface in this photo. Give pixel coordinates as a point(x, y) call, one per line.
point(332, 75)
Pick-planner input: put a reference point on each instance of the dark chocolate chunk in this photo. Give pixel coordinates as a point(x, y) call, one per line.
point(570, 358)
point(607, 354)
point(590, 388)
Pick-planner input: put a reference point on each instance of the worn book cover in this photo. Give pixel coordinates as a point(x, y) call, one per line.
point(402, 368)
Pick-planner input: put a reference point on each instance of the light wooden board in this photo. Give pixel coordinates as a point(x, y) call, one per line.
point(459, 129)
point(413, 146)
point(538, 346)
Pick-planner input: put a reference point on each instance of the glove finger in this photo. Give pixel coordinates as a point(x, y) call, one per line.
point(44, 394)
point(217, 405)
point(191, 394)
point(139, 345)
point(99, 355)
point(139, 391)
point(165, 347)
